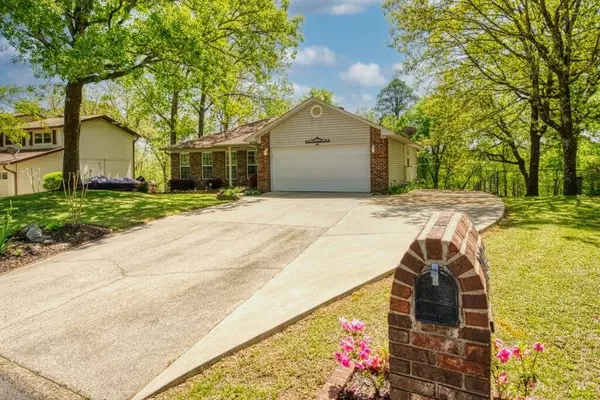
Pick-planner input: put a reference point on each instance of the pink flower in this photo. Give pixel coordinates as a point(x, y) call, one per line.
point(499, 343)
point(531, 384)
point(503, 378)
point(539, 347)
point(516, 352)
point(504, 355)
point(357, 325)
point(360, 366)
point(364, 355)
point(527, 352)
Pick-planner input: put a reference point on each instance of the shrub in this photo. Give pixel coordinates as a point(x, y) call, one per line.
point(52, 181)
point(230, 193)
point(144, 187)
point(252, 192)
point(6, 229)
point(398, 189)
point(182, 184)
point(53, 226)
point(214, 184)
point(253, 180)
point(356, 351)
point(76, 199)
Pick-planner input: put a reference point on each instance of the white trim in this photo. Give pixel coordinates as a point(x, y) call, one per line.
point(43, 134)
point(181, 165)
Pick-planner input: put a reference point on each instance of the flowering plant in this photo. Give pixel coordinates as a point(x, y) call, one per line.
point(356, 351)
point(525, 359)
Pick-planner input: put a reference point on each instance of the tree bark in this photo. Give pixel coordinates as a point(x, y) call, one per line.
point(72, 129)
point(202, 114)
point(174, 117)
point(534, 154)
point(568, 138)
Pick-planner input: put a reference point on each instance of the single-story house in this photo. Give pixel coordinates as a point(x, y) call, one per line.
point(105, 148)
point(314, 147)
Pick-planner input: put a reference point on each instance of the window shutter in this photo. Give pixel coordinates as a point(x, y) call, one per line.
point(1, 139)
point(31, 138)
point(23, 142)
point(53, 136)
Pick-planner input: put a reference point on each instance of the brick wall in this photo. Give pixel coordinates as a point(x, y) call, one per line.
point(219, 166)
point(175, 166)
point(196, 166)
point(379, 162)
point(433, 360)
point(242, 164)
point(264, 163)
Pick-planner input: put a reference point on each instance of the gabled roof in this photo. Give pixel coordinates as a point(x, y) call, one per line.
point(7, 159)
point(311, 101)
point(234, 137)
point(59, 122)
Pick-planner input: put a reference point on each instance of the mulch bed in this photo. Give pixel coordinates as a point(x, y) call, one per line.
point(23, 252)
point(360, 388)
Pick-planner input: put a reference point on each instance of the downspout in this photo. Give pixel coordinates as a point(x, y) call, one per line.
point(133, 157)
point(15, 176)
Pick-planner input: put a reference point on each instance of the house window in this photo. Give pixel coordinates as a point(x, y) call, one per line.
point(42, 138)
point(407, 157)
point(234, 168)
point(3, 175)
point(207, 166)
point(7, 141)
point(184, 165)
point(252, 162)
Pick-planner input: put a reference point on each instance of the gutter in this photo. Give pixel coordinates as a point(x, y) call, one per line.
point(15, 176)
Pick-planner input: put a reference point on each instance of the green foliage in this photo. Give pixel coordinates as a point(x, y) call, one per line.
point(144, 187)
point(6, 229)
point(75, 197)
point(321, 94)
point(406, 187)
point(52, 181)
point(252, 192)
point(233, 193)
point(53, 226)
point(394, 99)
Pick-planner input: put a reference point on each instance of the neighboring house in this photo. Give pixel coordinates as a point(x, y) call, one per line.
point(105, 148)
point(313, 147)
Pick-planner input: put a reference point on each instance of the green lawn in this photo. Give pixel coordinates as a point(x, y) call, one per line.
point(545, 259)
point(116, 210)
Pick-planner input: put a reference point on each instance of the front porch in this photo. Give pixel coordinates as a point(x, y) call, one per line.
point(230, 166)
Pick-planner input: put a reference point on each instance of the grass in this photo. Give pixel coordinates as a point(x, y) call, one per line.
point(545, 277)
point(115, 210)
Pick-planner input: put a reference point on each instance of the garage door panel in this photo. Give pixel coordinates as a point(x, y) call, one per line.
point(321, 168)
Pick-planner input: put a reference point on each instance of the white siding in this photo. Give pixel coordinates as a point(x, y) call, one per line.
point(38, 167)
point(411, 171)
point(105, 150)
point(335, 126)
point(396, 169)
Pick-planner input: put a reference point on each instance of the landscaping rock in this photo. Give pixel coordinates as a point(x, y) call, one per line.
point(34, 234)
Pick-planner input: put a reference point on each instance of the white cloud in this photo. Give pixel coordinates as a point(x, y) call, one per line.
point(363, 75)
point(300, 90)
point(367, 98)
point(315, 55)
point(333, 7)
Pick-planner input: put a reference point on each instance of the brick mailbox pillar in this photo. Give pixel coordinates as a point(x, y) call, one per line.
point(440, 320)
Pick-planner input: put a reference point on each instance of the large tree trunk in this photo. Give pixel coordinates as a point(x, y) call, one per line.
point(72, 128)
point(568, 137)
point(202, 115)
point(534, 154)
point(174, 117)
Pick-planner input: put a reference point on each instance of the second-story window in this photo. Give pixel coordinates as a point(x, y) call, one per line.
point(42, 138)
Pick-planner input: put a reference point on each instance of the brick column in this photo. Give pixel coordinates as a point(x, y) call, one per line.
point(175, 166)
point(242, 161)
point(442, 361)
point(264, 163)
point(219, 166)
point(379, 162)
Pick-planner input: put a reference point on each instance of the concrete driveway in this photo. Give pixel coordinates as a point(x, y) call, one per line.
point(127, 315)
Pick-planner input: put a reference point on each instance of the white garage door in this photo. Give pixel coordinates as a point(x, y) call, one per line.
point(344, 168)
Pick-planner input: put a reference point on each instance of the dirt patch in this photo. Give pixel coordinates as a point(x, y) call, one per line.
point(359, 388)
point(23, 252)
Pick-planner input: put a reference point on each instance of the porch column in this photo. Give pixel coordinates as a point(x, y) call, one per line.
point(230, 169)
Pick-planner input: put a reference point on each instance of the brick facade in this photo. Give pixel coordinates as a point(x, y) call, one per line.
point(242, 165)
point(264, 163)
point(219, 166)
point(434, 360)
point(379, 162)
point(175, 171)
point(196, 166)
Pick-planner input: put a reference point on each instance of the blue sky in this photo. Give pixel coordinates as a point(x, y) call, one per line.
point(344, 50)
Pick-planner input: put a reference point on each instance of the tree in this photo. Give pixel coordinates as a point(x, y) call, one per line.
point(83, 41)
point(321, 94)
point(544, 52)
point(394, 99)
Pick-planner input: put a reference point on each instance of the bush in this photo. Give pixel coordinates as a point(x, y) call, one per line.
point(230, 194)
point(182, 184)
point(5, 229)
point(252, 192)
point(214, 184)
point(144, 187)
point(253, 180)
point(52, 181)
point(398, 189)
point(53, 226)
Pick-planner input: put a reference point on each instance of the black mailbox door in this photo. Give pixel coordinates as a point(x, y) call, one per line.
point(436, 304)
